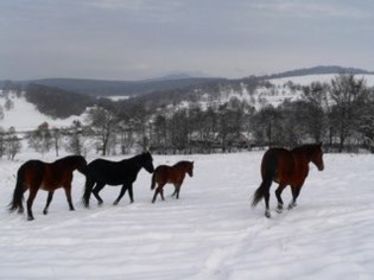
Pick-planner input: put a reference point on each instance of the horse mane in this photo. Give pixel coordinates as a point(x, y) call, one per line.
point(139, 156)
point(69, 158)
point(183, 162)
point(308, 149)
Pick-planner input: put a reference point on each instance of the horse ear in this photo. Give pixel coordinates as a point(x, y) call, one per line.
point(320, 144)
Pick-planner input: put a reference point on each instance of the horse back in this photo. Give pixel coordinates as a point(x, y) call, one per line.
point(279, 162)
point(168, 174)
point(289, 168)
point(111, 172)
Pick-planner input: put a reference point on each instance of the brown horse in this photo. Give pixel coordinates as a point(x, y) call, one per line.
point(35, 174)
point(175, 174)
point(286, 168)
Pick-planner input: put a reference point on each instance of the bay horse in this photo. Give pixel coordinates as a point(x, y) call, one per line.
point(101, 172)
point(170, 174)
point(36, 174)
point(286, 168)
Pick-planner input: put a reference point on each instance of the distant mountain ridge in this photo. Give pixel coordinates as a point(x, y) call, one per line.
point(175, 81)
point(120, 88)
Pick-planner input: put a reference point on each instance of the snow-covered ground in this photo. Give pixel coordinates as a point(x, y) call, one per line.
point(210, 233)
point(117, 97)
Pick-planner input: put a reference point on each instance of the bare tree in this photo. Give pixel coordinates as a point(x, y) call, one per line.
point(348, 95)
point(57, 137)
point(9, 104)
point(75, 142)
point(102, 123)
point(2, 142)
point(12, 143)
point(41, 139)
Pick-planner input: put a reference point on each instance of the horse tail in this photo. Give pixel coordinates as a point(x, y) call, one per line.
point(17, 200)
point(268, 168)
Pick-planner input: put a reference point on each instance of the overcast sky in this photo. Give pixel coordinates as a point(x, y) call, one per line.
point(136, 39)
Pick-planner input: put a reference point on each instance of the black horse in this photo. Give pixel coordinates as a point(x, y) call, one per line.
point(104, 172)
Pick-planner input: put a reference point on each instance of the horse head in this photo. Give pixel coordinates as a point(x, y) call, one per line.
point(190, 168)
point(317, 157)
point(81, 164)
point(147, 162)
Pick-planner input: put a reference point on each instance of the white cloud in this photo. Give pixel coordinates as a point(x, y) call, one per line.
point(138, 5)
point(142, 10)
point(308, 9)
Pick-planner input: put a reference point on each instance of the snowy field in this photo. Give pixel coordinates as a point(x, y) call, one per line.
point(210, 233)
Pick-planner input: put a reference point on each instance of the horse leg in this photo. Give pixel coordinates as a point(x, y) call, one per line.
point(175, 191)
point(267, 210)
point(121, 194)
point(162, 194)
point(21, 209)
point(87, 191)
point(295, 193)
point(30, 200)
point(178, 189)
point(278, 193)
point(131, 194)
point(67, 189)
point(158, 190)
point(96, 190)
point(49, 199)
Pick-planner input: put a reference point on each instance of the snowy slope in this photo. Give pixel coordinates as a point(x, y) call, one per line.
point(24, 116)
point(323, 78)
point(210, 233)
point(279, 92)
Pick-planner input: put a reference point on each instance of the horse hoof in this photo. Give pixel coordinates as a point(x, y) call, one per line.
point(267, 214)
point(45, 212)
point(30, 218)
point(291, 206)
point(279, 208)
point(115, 203)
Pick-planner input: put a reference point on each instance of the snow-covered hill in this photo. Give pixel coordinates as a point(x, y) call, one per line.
point(282, 89)
point(273, 93)
point(323, 78)
point(24, 116)
point(210, 233)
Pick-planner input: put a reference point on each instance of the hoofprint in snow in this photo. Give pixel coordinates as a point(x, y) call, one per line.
point(211, 232)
